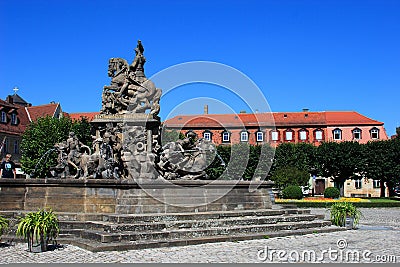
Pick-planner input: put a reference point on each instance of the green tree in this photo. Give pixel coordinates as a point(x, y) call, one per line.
point(40, 137)
point(340, 161)
point(382, 162)
point(398, 132)
point(241, 161)
point(290, 175)
point(171, 136)
point(301, 156)
point(217, 167)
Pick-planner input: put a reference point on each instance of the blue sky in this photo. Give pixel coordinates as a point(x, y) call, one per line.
point(321, 55)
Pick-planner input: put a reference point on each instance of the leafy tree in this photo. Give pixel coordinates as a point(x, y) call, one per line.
point(242, 161)
point(289, 175)
point(382, 162)
point(340, 161)
point(171, 136)
point(40, 137)
point(217, 168)
point(301, 155)
point(398, 132)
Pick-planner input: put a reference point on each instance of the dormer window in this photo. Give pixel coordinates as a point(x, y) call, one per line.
point(226, 137)
point(374, 132)
point(259, 136)
point(3, 117)
point(244, 136)
point(337, 134)
point(356, 134)
point(14, 118)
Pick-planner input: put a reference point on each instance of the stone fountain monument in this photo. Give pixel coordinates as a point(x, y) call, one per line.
point(135, 192)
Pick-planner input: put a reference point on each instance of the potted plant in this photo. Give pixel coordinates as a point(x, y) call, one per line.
point(3, 225)
point(38, 229)
point(345, 214)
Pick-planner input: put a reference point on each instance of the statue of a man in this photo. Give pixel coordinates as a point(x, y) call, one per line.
point(135, 74)
point(73, 146)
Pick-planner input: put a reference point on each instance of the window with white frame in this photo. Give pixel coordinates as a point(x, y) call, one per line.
point(260, 136)
point(374, 133)
point(356, 134)
point(13, 118)
point(244, 136)
point(337, 134)
point(274, 135)
point(207, 136)
point(318, 135)
point(358, 183)
point(3, 117)
point(303, 135)
point(226, 137)
point(288, 135)
point(376, 183)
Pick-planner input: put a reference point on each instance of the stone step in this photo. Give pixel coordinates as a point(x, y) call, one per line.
point(162, 217)
point(96, 246)
point(190, 233)
point(193, 224)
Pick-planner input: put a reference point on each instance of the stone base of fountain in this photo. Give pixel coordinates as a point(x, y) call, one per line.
point(132, 196)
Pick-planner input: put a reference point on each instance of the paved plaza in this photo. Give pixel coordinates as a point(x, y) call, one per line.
point(376, 240)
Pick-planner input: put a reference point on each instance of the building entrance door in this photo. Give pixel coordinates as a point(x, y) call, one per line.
point(319, 186)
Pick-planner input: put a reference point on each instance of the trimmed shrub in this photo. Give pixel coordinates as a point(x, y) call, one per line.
point(331, 192)
point(292, 192)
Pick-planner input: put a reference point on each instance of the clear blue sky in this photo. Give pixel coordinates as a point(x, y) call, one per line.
point(321, 55)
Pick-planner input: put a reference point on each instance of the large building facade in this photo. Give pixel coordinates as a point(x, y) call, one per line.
point(280, 127)
point(289, 127)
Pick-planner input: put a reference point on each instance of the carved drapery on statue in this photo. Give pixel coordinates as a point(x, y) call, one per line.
point(126, 142)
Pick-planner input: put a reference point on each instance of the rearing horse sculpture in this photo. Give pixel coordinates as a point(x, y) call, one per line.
point(128, 92)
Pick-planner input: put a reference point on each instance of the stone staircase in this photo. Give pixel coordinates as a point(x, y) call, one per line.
point(106, 232)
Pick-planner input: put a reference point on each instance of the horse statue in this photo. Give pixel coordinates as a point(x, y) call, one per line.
point(129, 92)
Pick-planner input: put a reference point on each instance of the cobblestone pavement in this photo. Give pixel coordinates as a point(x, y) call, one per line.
point(376, 240)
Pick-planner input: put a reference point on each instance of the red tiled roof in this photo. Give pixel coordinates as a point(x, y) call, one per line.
point(36, 112)
point(348, 118)
point(324, 118)
point(88, 115)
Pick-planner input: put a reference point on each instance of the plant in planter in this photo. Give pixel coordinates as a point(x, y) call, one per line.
point(3, 225)
point(345, 214)
point(38, 229)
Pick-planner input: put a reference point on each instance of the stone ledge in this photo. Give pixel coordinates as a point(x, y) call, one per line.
point(145, 183)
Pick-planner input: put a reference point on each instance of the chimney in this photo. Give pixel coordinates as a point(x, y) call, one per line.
point(306, 110)
point(205, 109)
point(10, 99)
point(242, 112)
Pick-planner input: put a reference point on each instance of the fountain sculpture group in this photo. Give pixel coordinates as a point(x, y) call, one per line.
point(127, 140)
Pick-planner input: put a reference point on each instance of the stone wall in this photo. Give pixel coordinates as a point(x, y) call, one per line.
point(132, 197)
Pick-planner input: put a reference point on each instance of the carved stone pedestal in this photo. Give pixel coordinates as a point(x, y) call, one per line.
point(134, 137)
